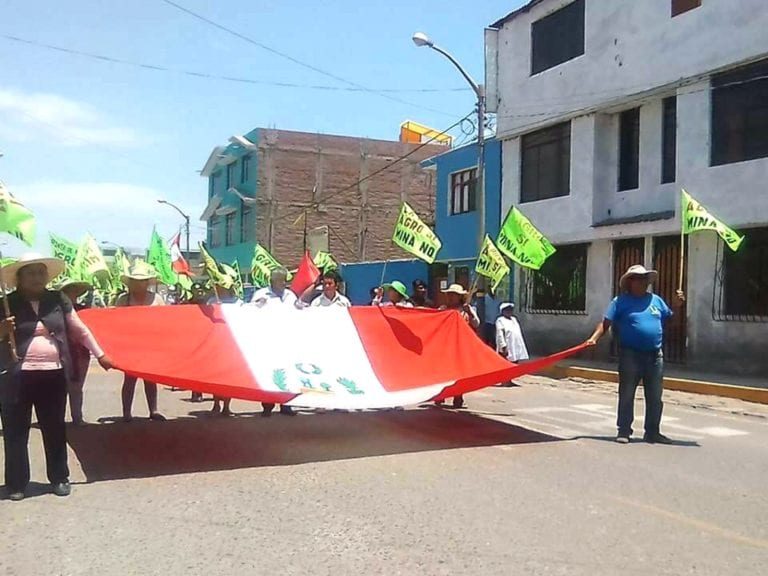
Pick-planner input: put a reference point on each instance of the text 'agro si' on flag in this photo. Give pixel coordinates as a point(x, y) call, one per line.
point(415, 237)
point(67, 251)
point(491, 263)
point(15, 218)
point(696, 217)
point(262, 265)
point(522, 242)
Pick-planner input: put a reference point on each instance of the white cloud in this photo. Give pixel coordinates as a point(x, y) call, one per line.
point(32, 117)
point(112, 211)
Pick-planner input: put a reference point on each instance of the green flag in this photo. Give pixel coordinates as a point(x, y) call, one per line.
point(238, 278)
point(6, 261)
point(159, 256)
point(233, 275)
point(67, 251)
point(325, 262)
point(212, 268)
point(522, 242)
point(89, 261)
point(415, 237)
point(15, 218)
point(262, 265)
point(491, 264)
point(696, 217)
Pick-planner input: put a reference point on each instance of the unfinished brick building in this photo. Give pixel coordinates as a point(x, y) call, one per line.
point(294, 190)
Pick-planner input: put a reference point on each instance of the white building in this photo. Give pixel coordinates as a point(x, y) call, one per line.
point(606, 109)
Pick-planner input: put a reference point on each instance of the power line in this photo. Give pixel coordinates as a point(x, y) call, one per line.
point(209, 76)
point(296, 61)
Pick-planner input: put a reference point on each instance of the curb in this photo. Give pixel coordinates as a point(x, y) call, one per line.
point(757, 395)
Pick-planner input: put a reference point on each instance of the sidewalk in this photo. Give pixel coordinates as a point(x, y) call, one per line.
point(675, 378)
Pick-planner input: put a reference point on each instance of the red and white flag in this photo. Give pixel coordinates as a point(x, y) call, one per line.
point(180, 265)
point(347, 358)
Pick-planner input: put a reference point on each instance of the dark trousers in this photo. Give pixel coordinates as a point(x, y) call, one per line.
point(635, 366)
point(46, 390)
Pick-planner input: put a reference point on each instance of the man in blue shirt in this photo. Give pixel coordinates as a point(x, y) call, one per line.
point(637, 317)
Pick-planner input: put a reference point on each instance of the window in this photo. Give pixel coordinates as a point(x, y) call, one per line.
point(229, 228)
point(546, 163)
point(560, 287)
point(744, 283)
point(629, 149)
point(681, 6)
point(213, 184)
point(558, 37)
point(247, 224)
point(214, 230)
point(669, 140)
point(463, 191)
point(230, 174)
point(245, 168)
point(740, 114)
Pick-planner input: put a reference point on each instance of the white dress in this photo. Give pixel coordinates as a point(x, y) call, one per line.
point(510, 336)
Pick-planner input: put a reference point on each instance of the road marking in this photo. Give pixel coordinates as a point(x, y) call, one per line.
point(694, 522)
point(722, 432)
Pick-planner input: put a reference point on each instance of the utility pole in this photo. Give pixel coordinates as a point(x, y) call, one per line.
point(184, 215)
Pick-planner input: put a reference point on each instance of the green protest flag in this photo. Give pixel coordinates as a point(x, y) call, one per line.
point(15, 218)
point(159, 256)
point(522, 242)
point(89, 261)
point(213, 269)
point(233, 278)
point(238, 278)
point(67, 251)
point(325, 262)
point(695, 218)
point(415, 237)
point(491, 264)
point(6, 261)
point(262, 265)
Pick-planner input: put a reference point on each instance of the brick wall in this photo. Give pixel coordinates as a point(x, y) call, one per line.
point(309, 173)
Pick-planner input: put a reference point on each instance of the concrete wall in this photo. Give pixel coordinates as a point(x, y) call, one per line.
point(630, 46)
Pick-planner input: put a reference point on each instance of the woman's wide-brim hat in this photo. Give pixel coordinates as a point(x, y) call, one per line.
point(637, 270)
point(79, 287)
point(55, 266)
point(139, 270)
point(456, 289)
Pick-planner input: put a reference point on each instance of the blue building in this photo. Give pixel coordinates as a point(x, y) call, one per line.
point(456, 216)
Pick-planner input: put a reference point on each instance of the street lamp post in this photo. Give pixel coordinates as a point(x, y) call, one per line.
point(186, 224)
point(421, 39)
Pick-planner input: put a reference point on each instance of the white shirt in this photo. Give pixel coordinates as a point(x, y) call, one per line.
point(338, 300)
point(510, 336)
point(267, 297)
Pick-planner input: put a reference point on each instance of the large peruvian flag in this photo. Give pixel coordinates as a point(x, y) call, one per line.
point(365, 357)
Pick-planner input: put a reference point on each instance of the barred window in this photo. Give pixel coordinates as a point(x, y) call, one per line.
point(247, 224)
point(230, 228)
point(741, 288)
point(560, 287)
point(214, 231)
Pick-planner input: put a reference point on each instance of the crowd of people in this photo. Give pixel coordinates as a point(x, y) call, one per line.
point(48, 350)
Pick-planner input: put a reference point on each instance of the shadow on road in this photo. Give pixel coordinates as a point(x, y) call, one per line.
point(144, 449)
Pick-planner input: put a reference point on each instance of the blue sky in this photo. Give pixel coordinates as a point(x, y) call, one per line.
point(91, 145)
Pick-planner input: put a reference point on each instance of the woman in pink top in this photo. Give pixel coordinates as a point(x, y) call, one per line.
point(42, 322)
point(137, 281)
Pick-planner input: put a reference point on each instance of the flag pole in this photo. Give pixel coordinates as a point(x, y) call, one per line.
point(682, 243)
point(7, 309)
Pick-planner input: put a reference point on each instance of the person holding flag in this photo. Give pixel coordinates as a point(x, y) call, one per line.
point(397, 295)
point(36, 366)
point(137, 280)
point(638, 318)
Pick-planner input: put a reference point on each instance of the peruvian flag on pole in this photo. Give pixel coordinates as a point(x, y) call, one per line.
point(348, 358)
point(180, 265)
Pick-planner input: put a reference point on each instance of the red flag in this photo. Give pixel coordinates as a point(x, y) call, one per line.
point(180, 265)
point(306, 275)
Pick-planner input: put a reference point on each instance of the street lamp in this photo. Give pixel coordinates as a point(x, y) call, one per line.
point(186, 223)
point(421, 40)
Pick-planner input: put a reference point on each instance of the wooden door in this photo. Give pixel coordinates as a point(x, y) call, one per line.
point(666, 261)
point(626, 253)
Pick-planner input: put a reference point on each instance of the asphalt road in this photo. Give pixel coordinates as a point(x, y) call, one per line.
point(528, 481)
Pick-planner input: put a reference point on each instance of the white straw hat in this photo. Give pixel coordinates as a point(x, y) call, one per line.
point(55, 266)
point(637, 270)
